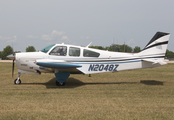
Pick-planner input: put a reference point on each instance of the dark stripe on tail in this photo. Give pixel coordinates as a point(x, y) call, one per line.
point(162, 43)
point(156, 36)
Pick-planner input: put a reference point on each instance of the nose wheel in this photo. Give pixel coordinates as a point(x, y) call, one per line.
point(18, 81)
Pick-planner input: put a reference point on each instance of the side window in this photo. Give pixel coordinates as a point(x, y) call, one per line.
point(88, 53)
point(73, 51)
point(59, 51)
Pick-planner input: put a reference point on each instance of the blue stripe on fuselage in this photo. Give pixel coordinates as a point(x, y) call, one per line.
point(58, 65)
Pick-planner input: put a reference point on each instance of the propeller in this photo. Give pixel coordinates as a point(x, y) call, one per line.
point(12, 57)
point(13, 64)
point(13, 69)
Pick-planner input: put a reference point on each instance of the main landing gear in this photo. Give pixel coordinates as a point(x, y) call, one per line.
point(61, 78)
point(18, 81)
point(60, 83)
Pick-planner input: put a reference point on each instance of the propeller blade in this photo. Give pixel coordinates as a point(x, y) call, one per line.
point(13, 69)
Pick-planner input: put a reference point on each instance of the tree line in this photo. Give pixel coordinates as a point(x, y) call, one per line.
point(114, 47)
point(9, 50)
point(119, 48)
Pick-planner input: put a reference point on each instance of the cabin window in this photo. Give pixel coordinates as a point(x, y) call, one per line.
point(73, 51)
point(89, 53)
point(59, 51)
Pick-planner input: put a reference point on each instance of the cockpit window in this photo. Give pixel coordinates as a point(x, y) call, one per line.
point(46, 49)
point(89, 53)
point(73, 51)
point(59, 51)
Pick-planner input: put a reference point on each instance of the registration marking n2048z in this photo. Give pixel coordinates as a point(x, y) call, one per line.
point(103, 67)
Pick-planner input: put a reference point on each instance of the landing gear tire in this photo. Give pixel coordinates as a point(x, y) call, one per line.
point(17, 81)
point(60, 83)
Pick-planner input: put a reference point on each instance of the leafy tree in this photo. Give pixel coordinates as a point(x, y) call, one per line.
point(7, 51)
point(110, 48)
point(137, 49)
point(113, 47)
point(124, 48)
point(30, 49)
point(17, 51)
point(169, 54)
point(98, 47)
point(0, 55)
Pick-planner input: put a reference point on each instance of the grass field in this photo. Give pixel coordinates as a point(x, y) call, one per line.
point(128, 95)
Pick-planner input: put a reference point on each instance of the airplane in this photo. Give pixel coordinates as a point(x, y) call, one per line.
point(63, 59)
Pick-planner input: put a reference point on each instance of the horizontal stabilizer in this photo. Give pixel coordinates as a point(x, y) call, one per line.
point(155, 61)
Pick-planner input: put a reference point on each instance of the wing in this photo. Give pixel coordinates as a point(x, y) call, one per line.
point(59, 65)
point(50, 63)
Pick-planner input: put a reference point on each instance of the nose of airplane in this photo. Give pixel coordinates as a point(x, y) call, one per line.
point(12, 56)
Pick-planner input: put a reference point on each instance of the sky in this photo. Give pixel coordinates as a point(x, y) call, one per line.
point(40, 23)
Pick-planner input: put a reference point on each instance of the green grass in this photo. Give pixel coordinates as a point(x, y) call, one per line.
point(127, 95)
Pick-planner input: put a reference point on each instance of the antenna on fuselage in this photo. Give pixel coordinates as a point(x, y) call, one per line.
point(124, 45)
point(88, 44)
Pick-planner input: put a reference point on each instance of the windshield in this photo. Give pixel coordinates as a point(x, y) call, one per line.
point(46, 49)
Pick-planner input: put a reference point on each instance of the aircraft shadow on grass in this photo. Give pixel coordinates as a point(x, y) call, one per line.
point(73, 83)
point(151, 82)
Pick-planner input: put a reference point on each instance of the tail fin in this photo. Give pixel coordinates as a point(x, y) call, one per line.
point(154, 51)
point(157, 46)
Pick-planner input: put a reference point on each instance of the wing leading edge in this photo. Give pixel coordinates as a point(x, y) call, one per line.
point(49, 63)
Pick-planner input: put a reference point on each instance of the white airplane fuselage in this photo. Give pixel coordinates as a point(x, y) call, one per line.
point(106, 62)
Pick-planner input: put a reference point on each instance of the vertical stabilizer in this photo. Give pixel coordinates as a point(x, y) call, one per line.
point(157, 46)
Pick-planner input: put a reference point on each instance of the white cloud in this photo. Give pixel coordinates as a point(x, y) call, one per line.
point(3, 38)
point(57, 33)
point(64, 38)
point(12, 39)
point(32, 36)
point(9, 39)
point(54, 36)
point(46, 37)
point(84, 37)
point(131, 42)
